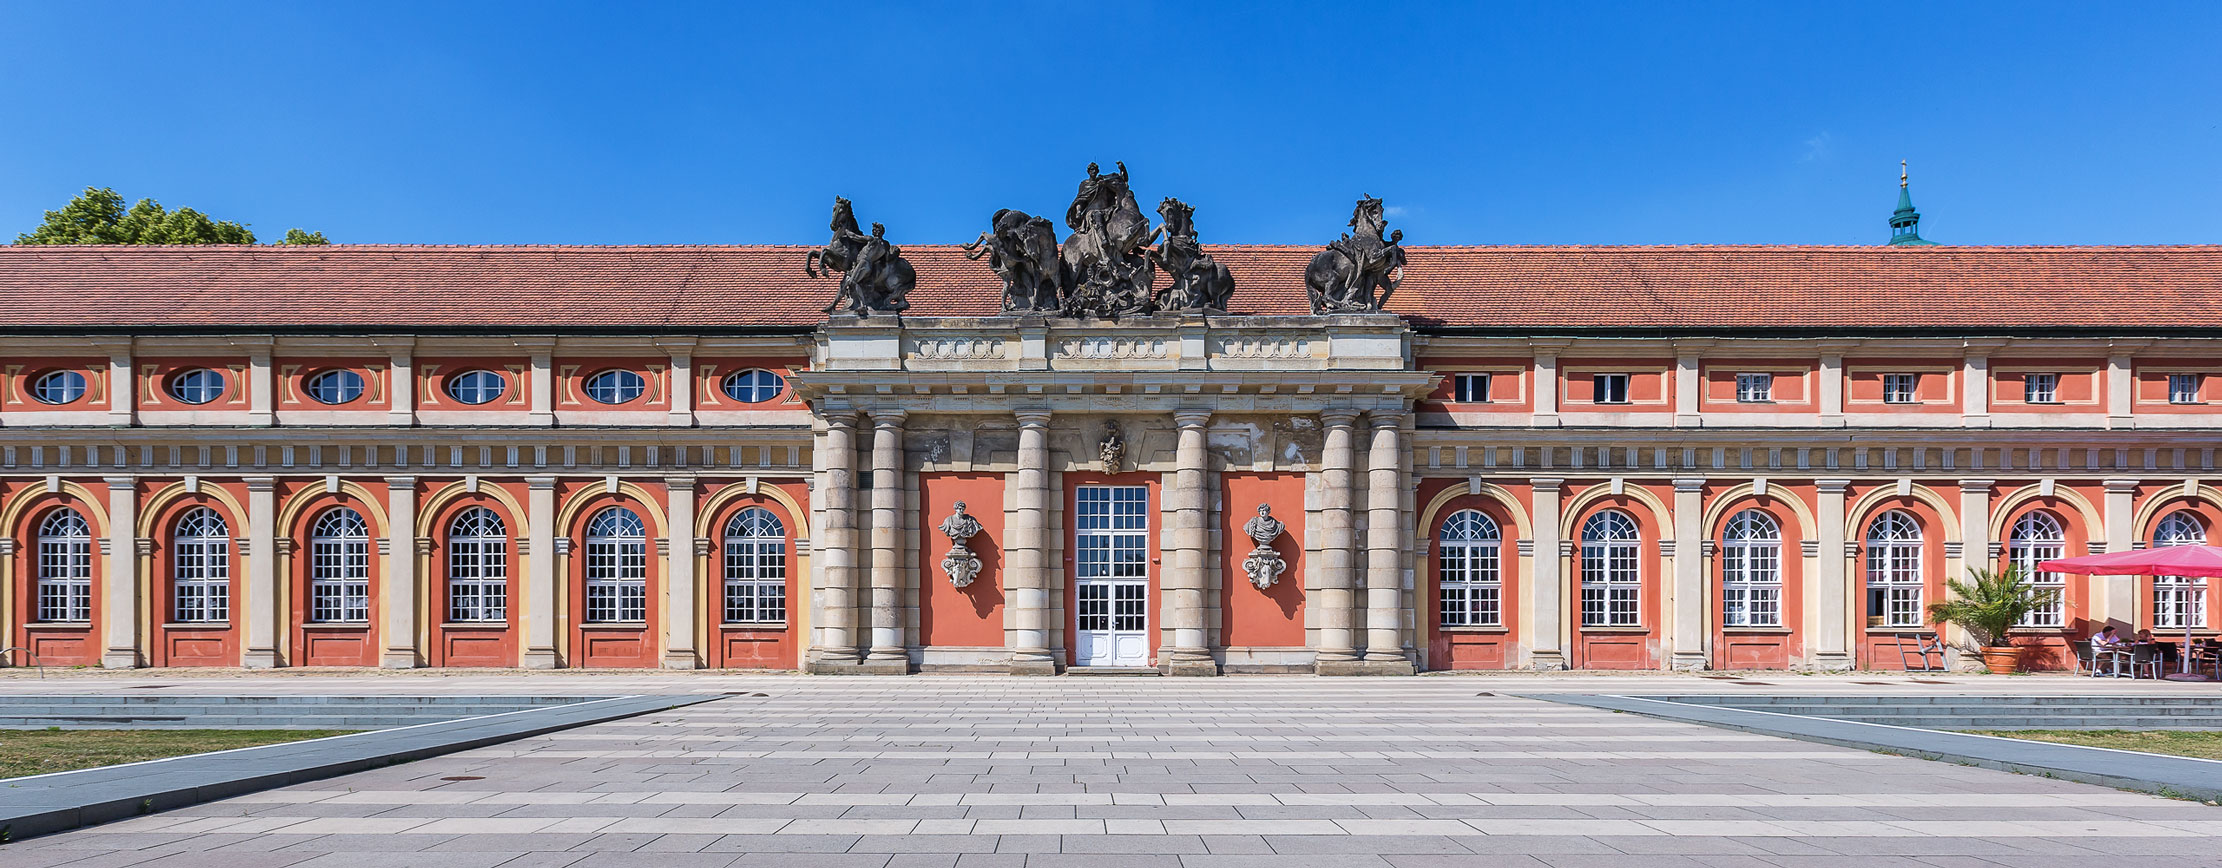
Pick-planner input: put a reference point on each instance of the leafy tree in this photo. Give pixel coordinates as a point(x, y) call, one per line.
point(98, 216)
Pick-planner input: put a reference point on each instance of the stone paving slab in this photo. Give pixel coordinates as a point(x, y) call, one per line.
point(2187, 777)
point(43, 804)
point(1227, 773)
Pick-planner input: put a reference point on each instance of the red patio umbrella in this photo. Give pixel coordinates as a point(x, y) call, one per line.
point(2199, 561)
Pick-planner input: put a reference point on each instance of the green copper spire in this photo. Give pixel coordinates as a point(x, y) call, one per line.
point(1905, 223)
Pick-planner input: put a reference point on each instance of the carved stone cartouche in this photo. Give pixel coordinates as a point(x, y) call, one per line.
point(1358, 272)
point(960, 563)
point(874, 276)
point(1112, 449)
point(1264, 563)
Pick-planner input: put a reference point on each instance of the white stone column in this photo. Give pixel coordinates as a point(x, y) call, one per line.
point(1975, 388)
point(540, 388)
point(1692, 597)
point(1688, 388)
point(2121, 391)
point(1338, 575)
point(680, 587)
point(261, 395)
point(889, 654)
point(397, 597)
point(1831, 594)
point(1185, 583)
point(682, 389)
point(1546, 388)
point(1832, 388)
point(402, 376)
point(541, 586)
point(1385, 652)
point(1975, 552)
point(1546, 615)
point(2114, 598)
point(1026, 556)
point(123, 388)
point(260, 609)
point(836, 545)
point(119, 592)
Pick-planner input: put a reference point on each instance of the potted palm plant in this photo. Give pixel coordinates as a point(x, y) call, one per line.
point(1989, 604)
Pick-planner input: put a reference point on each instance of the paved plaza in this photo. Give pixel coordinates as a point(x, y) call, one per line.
point(1221, 773)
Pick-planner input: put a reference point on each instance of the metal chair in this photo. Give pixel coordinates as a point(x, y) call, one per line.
point(2086, 662)
point(2145, 658)
point(1915, 657)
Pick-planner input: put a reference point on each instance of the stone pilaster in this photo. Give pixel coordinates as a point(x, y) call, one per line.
point(119, 601)
point(1692, 599)
point(1025, 555)
point(1546, 611)
point(1830, 592)
point(260, 611)
point(681, 589)
point(1337, 572)
point(1185, 583)
point(836, 548)
point(889, 655)
point(2114, 598)
point(1385, 652)
point(539, 611)
point(397, 603)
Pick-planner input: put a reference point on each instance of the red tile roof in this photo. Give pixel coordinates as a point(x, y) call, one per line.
point(726, 288)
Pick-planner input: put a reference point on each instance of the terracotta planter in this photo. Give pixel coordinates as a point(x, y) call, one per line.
point(2002, 659)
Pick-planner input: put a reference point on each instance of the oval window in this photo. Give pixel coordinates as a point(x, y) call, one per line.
point(754, 386)
point(59, 387)
point(476, 387)
point(336, 386)
point(615, 387)
point(197, 386)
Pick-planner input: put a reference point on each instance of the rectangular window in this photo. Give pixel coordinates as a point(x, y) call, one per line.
point(616, 580)
point(1611, 586)
point(1470, 388)
point(2025, 555)
point(2176, 598)
point(1470, 584)
point(339, 580)
point(65, 579)
point(1894, 584)
point(203, 586)
point(478, 579)
point(2183, 388)
point(1751, 584)
point(1111, 552)
point(1755, 388)
point(2040, 388)
point(1901, 388)
point(1611, 389)
point(755, 579)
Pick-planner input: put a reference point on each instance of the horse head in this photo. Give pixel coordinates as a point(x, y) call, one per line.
point(1366, 217)
point(844, 216)
point(1179, 217)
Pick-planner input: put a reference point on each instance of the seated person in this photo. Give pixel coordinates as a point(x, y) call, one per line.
point(2167, 650)
point(2107, 638)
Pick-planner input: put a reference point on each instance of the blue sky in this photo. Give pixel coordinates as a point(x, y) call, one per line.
point(1485, 123)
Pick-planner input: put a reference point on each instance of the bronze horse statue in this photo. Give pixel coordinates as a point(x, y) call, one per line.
point(874, 275)
point(1022, 249)
point(1200, 283)
point(1344, 277)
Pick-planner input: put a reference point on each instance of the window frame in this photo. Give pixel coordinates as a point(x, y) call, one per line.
point(455, 389)
point(63, 582)
point(480, 598)
point(736, 388)
point(1751, 570)
point(184, 384)
point(1612, 570)
point(77, 386)
point(604, 385)
point(2183, 594)
point(1462, 391)
point(2025, 549)
point(615, 568)
point(2040, 388)
point(1755, 387)
point(200, 568)
point(352, 385)
point(2197, 383)
point(1911, 394)
point(755, 568)
point(1469, 571)
point(1897, 571)
point(1603, 387)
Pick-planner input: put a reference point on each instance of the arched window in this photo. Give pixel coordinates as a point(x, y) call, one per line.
point(1751, 571)
point(65, 580)
point(1468, 581)
point(616, 567)
point(1611, 575)
point(2177, 597)
point(1895, 577)
point(477, 567)
point(2037, 538)
point(202, 568)
point(755, 567)
point(339, 568)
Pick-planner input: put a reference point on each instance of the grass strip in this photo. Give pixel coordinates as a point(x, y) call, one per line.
point(41, 751)
point(2203, 744)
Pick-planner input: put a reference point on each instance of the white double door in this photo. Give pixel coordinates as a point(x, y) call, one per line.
point(1111, 602)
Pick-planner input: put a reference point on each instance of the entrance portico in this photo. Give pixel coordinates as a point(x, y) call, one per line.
point(1114, 452)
